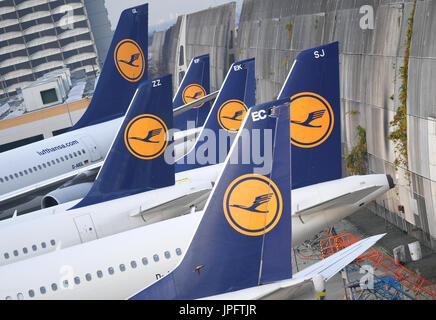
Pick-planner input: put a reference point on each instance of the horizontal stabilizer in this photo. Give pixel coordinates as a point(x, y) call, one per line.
point(195, 103)
point(343, 200)
point(171, 200)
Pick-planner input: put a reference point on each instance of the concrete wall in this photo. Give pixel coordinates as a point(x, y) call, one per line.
point(208, 31)
point(275, 31)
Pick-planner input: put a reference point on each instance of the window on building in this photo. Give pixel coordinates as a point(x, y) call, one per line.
point(49, 96)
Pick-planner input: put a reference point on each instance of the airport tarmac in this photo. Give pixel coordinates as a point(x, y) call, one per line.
point(362, 224)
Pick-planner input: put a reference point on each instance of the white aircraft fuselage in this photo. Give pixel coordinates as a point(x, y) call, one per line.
point(119, 265)
point(46, 230)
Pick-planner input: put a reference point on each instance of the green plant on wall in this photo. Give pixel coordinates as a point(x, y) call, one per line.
point(355, 161)
point(399, 124)
point(288, 27)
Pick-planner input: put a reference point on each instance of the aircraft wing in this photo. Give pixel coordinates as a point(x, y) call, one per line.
point(343, 200)
point(195, 103)
point(301, 283)
point(328, 267)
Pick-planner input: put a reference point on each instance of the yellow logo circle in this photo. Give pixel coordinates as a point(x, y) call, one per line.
point(312, 120)
point(231, 114)
point(129, 60)
point(252, 204)
point(192, 93)
point(146, 136)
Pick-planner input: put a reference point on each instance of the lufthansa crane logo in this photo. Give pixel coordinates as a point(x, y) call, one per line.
point(312, 120)
point(146, 136)
point(231, 114)
point(192, 93)
point(253, 204)
point(129, 60)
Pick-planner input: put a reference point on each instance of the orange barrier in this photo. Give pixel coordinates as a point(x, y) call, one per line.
point(420, 287)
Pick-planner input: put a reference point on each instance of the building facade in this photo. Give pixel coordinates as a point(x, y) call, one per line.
point(37, 36)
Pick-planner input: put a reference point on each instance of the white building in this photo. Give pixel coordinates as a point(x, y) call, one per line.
point(49, 90)
point(37, 36)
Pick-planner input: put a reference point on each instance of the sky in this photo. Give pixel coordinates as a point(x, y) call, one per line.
point(163, 12)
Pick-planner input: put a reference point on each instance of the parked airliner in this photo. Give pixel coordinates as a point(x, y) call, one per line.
point(244, 252)
point(133, 187)
point(70, 161)
point(198, 255)
point(317, 206)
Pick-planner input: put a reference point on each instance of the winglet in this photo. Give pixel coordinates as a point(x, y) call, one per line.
point(124, 67)
point(135, 162)
point(313, 86)
point(241, 241)
point(195, 84)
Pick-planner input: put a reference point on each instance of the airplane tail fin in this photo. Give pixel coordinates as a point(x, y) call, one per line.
point(237, 94)
point(195, 84)
point(313, 86)
point(135, 162)
point(124, 67)
point(244, 237)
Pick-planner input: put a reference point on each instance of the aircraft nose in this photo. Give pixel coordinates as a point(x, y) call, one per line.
point(391, 181)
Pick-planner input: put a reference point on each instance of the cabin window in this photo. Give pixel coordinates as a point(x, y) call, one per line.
point(44, 165)
point(30, 170)
point(11, 176)
point(34, 247)
point(110, 270)
point(53, 162)
point(83, 150)
point(1, 180)
point(16, 175)
point(79, 153)
point(25, 250)
point(8, 298)
point(88, 277)
point(167, 254)
point(144, 261)
point(39, 167)
point(52, 242)
point(62, 159)
point(6, 178)
point(122, 267)
point(65, 283)
point(99, 274)
point(76, 280)
point(31, 293)
point(71, 156)
point(42, 290)
point(20, 296)
point(48, 163)
point(178, 251)
point(75, 154)
point(57, 160)
point(54, 286)
point(15, 253)
point(43, 245)
point(35, 169)
point(6, 255)
point(21, 173)
point(133, 264)
point(156, 258)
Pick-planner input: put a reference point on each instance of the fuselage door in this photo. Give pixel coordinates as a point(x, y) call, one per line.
point(91, 147)
point(85, 227)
